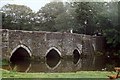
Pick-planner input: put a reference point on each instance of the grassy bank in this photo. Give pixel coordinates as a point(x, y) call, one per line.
point(81, 74)
point(4, 62)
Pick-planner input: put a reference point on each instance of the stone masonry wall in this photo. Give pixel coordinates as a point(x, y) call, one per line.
point(39, 42)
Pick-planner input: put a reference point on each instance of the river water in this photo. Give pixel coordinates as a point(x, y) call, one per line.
point(60, 65)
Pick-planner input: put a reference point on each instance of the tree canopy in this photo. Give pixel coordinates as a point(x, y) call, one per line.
point(17, 17)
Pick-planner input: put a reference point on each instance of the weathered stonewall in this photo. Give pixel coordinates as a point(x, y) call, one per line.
point(39, 43)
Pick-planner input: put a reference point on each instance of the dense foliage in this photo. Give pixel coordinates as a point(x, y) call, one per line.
point(17, 17)
point(100, 19)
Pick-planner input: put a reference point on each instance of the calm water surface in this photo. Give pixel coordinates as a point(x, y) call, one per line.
point(58, 65)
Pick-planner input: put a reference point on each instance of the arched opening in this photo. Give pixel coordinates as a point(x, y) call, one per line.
point(52, 58)
point(76, 56)
point(19, 55)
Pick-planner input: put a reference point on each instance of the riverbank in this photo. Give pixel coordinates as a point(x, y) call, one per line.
point(80, 74)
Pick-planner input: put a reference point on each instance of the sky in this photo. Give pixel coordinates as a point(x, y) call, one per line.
point(35, 5)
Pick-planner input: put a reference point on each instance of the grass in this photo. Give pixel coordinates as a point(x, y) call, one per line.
point(80, 74)
point(4, 62)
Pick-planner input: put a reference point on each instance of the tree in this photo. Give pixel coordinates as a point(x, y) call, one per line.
point(95, 18)
point(47, 14)
point(66, 21)
point(85, 17)
point(112, 33)
point(17, 17)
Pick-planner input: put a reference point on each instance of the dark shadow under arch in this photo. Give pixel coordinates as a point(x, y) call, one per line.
point(52, 58)
point(20, 54)
point(76, 56)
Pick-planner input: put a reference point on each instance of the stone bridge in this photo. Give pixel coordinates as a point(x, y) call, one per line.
point(17, 44)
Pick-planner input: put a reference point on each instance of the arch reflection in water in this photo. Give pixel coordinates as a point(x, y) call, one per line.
point(53, 65)
point(53, 58)
point(76, 56)
point(21, 66)
point(78, 65)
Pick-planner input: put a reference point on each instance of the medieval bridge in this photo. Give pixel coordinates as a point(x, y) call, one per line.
point(17, 44)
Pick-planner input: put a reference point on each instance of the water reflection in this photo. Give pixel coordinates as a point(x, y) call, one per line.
point(76, 56)
point(76, 60)
point(52, 59)
point(79, 61)
point(52, 65)
point(44, 66)
point(18, 66)
point(21, 66)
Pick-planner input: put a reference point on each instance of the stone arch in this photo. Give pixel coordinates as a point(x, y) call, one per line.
point(53, 48)
point(19, 53)
point(53, 57)
point(76, 56)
